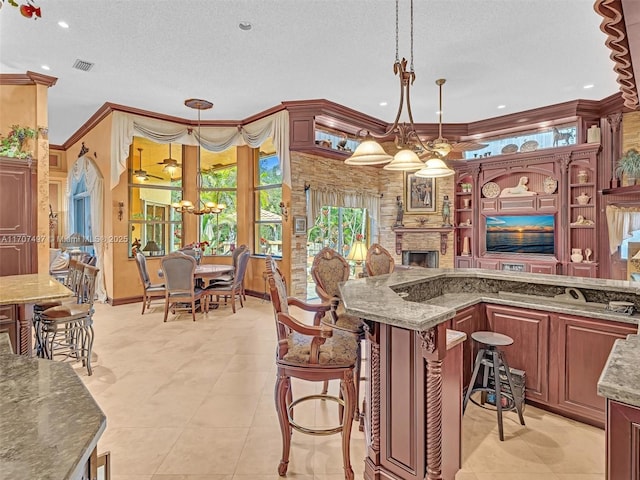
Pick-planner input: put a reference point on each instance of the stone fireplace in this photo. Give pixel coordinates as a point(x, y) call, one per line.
point(421, 258)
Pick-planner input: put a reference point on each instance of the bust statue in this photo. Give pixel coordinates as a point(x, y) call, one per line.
point(519, 190)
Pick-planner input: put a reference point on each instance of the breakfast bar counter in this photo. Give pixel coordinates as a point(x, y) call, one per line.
point(414, 382)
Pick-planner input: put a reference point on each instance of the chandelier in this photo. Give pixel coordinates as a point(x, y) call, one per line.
point(370, 152)
point(185, 206)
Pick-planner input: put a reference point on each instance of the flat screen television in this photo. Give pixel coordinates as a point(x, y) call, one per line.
point(531, 234)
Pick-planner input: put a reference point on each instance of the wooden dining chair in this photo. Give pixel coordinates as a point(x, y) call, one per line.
point(150, 290)
point(178, 272)
point(379, 261)
point(227, 278)
point(316, 353)
point(233, 289)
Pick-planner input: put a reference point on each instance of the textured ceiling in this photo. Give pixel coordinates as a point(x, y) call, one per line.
point(154, 54)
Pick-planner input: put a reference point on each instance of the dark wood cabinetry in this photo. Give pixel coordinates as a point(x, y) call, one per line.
point(581, 346)
point(9, 324)
point(468, 321)
point(564, 181)
point(18, 248)
point(623, 441)
point(530, 350)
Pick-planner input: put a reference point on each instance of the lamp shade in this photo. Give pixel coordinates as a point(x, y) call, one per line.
point(151, 246)
point(357, 252)
point(405, 160)
point(434, 168)
point(369, 152)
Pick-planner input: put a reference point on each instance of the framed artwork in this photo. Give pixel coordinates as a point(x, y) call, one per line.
point(299, 225)
point(419, 194)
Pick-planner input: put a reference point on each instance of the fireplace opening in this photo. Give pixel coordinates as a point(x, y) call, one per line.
point(420, 258)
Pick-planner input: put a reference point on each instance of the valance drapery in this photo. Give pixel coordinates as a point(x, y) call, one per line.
point(215, 139)
point(621, 222)
point(326, 196)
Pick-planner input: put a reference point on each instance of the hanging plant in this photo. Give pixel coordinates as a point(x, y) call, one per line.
point(12, 145)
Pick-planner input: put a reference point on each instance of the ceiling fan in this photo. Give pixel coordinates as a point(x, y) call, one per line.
point(170, 164)
point(141, 174)
point(441, 146)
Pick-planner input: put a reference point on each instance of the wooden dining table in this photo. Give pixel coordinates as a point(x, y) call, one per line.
point(207, 270)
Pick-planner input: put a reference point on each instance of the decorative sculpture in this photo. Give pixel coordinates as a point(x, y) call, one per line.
point(582, 221)
point(520, 190)
point(399, 212)
point(446, 211)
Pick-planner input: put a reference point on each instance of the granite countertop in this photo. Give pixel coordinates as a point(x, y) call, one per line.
point(31, 288)
point(50, 423)
point(454, 338)
point(437, 294)
point(620, 379)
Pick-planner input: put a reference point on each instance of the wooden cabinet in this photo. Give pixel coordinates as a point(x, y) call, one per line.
point(623, 441)
point(468, 321)
point(582, 200)
point(529, 330)
point(18, 248)
point(9, 324)
point(580, 348)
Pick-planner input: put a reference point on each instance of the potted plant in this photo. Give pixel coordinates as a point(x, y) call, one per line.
point(12, 145)
point(629, 166)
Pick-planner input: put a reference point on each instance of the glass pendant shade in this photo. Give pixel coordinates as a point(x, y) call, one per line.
point(434, 168)
point(369, 152)
point(442, 148)
point(405, 160)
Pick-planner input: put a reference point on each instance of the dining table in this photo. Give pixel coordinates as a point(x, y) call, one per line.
point(207, 270)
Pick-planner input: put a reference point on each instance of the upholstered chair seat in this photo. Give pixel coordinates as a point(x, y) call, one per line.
point(337, 350)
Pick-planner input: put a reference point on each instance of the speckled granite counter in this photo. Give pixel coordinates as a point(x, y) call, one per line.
point(49, 424)
point(418, 299)
point(620, 379)
point(30, 288)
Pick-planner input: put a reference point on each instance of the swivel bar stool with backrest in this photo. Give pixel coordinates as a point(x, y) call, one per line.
point(492, 359)
point(328, 270)
point(67, 330)
point(313, 353)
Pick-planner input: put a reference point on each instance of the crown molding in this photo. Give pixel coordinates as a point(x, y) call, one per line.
point(29, 78)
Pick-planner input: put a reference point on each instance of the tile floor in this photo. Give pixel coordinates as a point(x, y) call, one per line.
point(193, 401)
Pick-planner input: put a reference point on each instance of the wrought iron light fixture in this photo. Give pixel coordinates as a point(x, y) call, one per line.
point(370, 152)
point(185, 206)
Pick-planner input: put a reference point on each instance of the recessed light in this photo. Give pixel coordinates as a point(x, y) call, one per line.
point(500, 107)
point(586, 87)
point(63, 24)
point(383, 104)
point(245, 26)
point(45, 67)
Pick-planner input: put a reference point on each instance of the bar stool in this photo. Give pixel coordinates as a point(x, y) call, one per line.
point(492, 359)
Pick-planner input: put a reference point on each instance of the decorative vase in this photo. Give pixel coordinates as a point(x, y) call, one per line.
point(576, 257)
point(583, 176)
point(583, 199)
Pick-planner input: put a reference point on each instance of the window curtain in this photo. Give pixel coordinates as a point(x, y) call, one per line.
point(621, 222)
point(318, 197)
point(86, 167)
point(215, 139)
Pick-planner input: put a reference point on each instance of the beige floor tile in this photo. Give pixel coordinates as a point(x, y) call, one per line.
point(202, 451)
point(225, 411)
point(262, 453)
point(192, 477)
point(240, 383)
point(328, 453)
point(131, 477)
point(466, 475)
point(580, 476)
point(511, 456)
point(137, 451)
point(251, 363)
point(275, 476)
point(513, 476)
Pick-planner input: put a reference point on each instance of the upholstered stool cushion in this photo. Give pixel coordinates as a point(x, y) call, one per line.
point(42, 306)
point(339, 349)
point(344, 321)
point(71, 310)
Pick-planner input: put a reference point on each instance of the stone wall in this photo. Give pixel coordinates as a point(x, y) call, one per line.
point(322, 172)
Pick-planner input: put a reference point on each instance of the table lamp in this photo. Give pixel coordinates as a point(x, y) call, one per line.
point(358, 251)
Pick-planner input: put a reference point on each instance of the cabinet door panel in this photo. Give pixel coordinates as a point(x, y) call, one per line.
point(488, 264)
point(468, 321)
point(530, 333)
point(623, 441)
point(583, 346)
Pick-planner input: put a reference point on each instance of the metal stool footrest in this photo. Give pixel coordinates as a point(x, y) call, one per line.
point(314, 431)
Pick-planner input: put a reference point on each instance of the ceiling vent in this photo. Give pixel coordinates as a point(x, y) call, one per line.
point(83, 65)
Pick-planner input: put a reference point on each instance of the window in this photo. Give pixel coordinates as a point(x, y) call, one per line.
point(155, 228)
point(268, 196)
point(82, 213)
point(218, 184)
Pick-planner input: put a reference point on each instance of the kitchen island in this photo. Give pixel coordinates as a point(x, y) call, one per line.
point(18, 294)
point(563, 335)
point(50, 423)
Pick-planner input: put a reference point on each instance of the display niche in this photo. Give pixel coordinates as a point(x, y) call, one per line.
point(530, 212)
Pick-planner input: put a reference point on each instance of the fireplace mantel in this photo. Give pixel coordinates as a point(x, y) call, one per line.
point(443, 231)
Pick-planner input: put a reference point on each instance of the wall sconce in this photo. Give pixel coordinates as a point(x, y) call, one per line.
point(284, 210)
point(120, 210)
